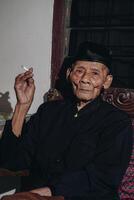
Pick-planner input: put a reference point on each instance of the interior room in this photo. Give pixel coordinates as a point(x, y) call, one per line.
point(45, 35)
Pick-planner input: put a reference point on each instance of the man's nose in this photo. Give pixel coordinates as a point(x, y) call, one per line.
point(86, 78)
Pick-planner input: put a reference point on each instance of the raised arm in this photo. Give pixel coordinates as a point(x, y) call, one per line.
point(24, 88)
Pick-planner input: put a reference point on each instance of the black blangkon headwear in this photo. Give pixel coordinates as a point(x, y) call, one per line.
point(90, 51)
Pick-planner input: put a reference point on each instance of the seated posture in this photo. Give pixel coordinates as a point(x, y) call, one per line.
point(78, 148)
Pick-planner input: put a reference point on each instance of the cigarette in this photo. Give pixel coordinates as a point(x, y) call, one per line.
point(24, 67)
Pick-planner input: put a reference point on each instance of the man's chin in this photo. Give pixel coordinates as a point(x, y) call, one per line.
point(84, 98)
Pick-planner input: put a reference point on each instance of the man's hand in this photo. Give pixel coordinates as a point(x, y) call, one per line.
point(25, 88)
point(30, 196)
point(42, 191)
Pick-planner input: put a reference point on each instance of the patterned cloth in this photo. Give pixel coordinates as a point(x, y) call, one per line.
point(126, 190)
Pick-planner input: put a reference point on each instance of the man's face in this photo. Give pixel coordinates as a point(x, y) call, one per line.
point(88, 78)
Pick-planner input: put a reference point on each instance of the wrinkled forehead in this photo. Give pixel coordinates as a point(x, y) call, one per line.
point(90, 65)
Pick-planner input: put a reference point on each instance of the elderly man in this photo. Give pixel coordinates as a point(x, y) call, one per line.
point(77, 148)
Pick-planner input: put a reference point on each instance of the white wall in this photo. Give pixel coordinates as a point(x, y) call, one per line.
point(25, 38)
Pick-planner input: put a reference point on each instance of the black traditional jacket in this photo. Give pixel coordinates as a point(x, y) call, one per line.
point(77, 154)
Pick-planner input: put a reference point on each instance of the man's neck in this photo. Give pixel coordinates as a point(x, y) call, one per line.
point(82, 104)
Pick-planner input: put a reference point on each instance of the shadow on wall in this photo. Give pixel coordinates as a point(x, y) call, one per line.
point(5, 105)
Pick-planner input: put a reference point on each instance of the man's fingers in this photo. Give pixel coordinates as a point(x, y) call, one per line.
point(19, 76)
point(25, 77)
point(30, 69)
point(42, 191)
point(28, 74)
point(30, 81)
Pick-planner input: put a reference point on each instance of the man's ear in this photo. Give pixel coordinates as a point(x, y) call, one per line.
point(68, 73)
point(108, 81)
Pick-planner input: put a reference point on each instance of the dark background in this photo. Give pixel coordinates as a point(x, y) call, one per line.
point(110, 22)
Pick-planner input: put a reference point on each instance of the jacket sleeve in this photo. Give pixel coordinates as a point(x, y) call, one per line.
point(16, 153)
point(101, 177)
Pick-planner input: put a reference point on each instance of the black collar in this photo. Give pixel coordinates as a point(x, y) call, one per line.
point(89, 108)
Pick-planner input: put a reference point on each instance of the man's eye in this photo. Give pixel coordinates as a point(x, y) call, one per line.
point(95, 73)
point(79, 71)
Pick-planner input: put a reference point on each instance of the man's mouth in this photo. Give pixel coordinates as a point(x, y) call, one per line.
point(84, 90)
